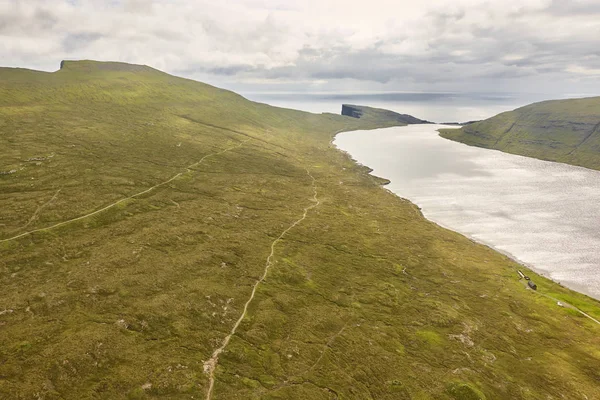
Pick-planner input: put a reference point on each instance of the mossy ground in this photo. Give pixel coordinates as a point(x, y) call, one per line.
point(366, 299)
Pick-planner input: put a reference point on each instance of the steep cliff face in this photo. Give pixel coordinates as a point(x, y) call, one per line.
point(351, 111)
point(561, 130)
point(364, 112)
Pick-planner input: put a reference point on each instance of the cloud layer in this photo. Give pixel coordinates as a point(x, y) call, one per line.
point(495, 45)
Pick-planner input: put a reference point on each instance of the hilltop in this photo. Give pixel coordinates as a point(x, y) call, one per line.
point(566, 131)
point(164, 238)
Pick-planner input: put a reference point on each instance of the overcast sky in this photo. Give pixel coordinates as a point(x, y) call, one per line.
point(540, 46)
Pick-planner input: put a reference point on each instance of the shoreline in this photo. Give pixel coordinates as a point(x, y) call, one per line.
point(544, 273)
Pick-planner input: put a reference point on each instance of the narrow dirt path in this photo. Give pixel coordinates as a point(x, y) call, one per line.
point(188, 170)
point(564, 303)
point(211, 364)
point(326, 347)
point(38, 210)
point(585, 138)
point(572, 307)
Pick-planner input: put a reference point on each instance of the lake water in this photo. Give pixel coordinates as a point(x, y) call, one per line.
point(544, 214)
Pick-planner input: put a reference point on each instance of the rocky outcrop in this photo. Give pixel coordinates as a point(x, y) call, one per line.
point(351, 111)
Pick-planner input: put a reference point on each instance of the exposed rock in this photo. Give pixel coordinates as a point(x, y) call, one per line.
point(351, 111)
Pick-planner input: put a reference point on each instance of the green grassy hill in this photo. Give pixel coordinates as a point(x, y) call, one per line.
point(139, 213)
point(566, 131)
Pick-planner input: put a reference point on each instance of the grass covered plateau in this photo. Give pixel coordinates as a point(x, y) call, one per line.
point(164, 239)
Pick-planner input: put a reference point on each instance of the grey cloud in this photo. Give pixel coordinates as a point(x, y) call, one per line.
point(77, 41)
point(372, 65)
point(44, 18)
point(227, 71)
point(138, 6)
point(573, 8)
point(28, 21)
point(463, 44)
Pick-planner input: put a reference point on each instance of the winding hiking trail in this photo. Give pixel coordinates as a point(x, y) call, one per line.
point(188, 170)
point(326, 347)
point(211, 364)
point(38, 210)
point(564, 303)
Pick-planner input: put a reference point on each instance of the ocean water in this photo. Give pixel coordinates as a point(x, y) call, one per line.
point(435, 107)
point(544, 214)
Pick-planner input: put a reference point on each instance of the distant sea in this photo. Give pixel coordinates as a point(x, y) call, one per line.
point(435, 107)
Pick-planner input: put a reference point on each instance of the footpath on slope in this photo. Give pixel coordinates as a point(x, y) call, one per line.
point(188, 170)
point(564, 303)
point(211, 364)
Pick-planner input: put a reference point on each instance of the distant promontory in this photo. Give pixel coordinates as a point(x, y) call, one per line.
point(371, 113)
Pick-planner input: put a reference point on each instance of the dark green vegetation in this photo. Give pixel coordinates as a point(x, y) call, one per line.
point(566, 131)
point(365, 298)
point(377, 116)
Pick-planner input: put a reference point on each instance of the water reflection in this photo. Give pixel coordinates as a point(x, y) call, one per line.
point(545, 214)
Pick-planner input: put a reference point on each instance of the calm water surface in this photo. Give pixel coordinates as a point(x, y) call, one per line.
point(544, 214)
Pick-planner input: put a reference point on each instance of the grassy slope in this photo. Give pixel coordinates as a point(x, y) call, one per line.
point(365, 299)
point(562, 130)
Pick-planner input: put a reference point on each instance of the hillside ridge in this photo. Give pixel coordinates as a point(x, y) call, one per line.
point(165, 239)
point(565, 131)
point(372, 113)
